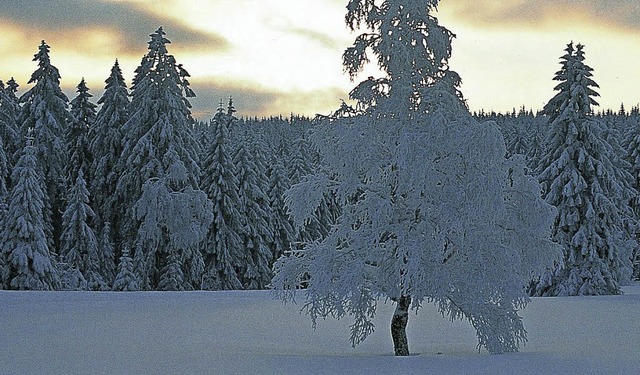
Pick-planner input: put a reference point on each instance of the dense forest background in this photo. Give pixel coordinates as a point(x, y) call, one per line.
point(130, 192)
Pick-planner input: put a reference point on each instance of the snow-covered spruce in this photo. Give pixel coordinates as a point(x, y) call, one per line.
point(126, 279)
point(581, 179)
point(79, 247)
point(106, 147)
point(29, 263)
point(223, 249)
point(431, 211)
point(163, 209)
point(77, 138)
point(174, 218)
point(9, 126)
point(44, 117)
point(254, 231)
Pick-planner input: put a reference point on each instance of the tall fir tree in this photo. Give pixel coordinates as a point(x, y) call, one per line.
point(79, 245)
point(44, 115)
point(283, 232)
point(106, 147)
point(9, 127)
point(25, 247)
point(580, 179)
point(82, 118)
point(223, 249)
point(107, 254)
point(255, 231)
point(159, 157)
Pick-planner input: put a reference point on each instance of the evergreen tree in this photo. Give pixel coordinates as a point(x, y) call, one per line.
point(4, 176)
point(298, 165)
point(29, 262)
point(9, 112)
point(431, 211)
point(126, 280)
point(283, 232)
point(580, 179)
point(159, 153)
point(77, 138)
point(254, 231)
point(223, 249)
point(107, 255)
point(173, 223)
point(79, 248)
point(43, 115)
point(106, 146)
point(633, 158)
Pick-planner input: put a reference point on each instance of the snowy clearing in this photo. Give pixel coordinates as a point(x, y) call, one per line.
point(250, 332)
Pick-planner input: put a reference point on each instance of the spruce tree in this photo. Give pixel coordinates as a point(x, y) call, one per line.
point(106, 147)
point(580, 179)
point(126, 279)
point(25, 247)
point(283, 232)
point(79, 245)
point(77, 136)
point(9, 127)
point(223, 249)
point(107, 254)
point(255, 231)
point(44, 115)
point(159, 155)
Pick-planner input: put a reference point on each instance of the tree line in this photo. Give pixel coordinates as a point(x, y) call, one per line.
point(138, 195)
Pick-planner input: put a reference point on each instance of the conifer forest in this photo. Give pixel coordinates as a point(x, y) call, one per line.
point(401, 194)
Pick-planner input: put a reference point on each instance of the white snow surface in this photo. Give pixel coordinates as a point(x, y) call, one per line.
point(251, 333)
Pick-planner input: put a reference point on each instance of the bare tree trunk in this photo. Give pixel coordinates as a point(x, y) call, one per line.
point(399, 326)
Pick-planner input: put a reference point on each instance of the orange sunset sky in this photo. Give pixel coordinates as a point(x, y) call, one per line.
point(284, 56)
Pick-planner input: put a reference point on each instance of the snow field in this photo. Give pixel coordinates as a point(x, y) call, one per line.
point(251, 333)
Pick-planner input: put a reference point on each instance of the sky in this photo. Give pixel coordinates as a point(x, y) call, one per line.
point(284, 56)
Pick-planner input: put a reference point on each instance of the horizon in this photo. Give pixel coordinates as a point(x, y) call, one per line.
point(283, 57)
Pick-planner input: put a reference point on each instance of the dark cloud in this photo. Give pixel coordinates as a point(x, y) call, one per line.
point(252, 100)
point(71, 19)
point(617, 14)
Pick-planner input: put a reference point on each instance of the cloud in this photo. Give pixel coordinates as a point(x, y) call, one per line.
point(73, 22)
point(252, 100)
point(285, 25)
point(618, 14)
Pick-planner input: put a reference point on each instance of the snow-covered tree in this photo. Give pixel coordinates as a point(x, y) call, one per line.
point(82, 117)
point(431, 211)
point(174, 218)
point(223, 249)
point(44, 115)
point(254, 231)
point(402, 27)
point(581, 180)
point(159, 162)
point(106, 146)
point(107, 254)
point(29, 262)
point(126, 279)
point(633, 158)
point(79, 245)
point(4, 176)
point(9, 127)
point(283, 232)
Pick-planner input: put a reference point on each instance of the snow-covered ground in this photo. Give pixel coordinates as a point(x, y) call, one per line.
point(251, 333)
